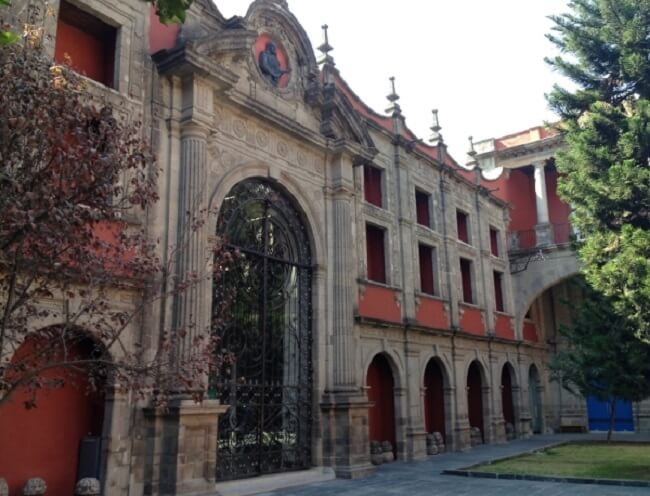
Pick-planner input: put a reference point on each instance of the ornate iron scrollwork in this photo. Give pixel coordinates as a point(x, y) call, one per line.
point(267, 428)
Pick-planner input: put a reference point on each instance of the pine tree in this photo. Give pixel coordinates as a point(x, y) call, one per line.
point(604, 358)
point(605, 166)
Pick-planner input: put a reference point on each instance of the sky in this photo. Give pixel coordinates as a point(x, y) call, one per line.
point(480, 63)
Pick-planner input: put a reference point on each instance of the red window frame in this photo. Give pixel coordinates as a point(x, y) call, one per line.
point(494, 241)
point(372, 187)
point(498, 291)
point(375, 253)
point(466, 280)
point(462, 226)
point(422, 208)
point(427, 279)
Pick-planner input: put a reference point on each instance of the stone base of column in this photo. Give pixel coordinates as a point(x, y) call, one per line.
point(345, 434)
point(525, 427)
point(416, 444)
point(180, 451)
point(543, 234)
point(499, 431)
point(462, 438)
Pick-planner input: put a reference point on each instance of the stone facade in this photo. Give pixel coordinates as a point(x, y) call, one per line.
point(216, 121)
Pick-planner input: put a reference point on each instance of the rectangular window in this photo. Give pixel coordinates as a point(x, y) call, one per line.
point(372, 185)
point(86, 43)
point(494, 241)
point(462, 225)
point(466, 279)
point(498, 291)
point(422, 208)
point(427, 269)
point(375, 252)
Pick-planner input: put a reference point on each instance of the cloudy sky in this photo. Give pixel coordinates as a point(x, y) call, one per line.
point(480, 63)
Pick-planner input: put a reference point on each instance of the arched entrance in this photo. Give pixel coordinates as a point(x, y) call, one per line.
point(267, 428)
point(381, 416)
point(507, 403)
point(434, 398)
point(58, 438)
point(475, 398)
point(535, 400)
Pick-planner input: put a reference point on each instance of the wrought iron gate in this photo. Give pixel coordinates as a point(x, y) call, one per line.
point(268, 425)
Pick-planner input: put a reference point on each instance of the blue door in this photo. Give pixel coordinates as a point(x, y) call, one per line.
point(598, 412)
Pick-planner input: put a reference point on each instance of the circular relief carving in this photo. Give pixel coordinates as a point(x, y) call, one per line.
point(283, 148)
point(302, 158)
point(239, 127)
point(262, 139)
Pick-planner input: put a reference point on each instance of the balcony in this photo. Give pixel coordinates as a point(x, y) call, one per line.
point(543, 235)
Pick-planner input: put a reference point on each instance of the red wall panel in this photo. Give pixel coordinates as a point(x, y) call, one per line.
point(504, 328)
point(471, 320)
point(380, 303)
point(431, 312)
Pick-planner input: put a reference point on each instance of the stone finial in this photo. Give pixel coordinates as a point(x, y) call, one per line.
point(436, 137)
point(35, 487)
point(87, 486)
point(471, 154)
point(325, 48)
point(4, 487)
point(394, 107)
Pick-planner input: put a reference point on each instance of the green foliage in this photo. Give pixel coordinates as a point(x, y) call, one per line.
point(171, 11)
point(606, 164)
point(7, 37)
point(604, 358)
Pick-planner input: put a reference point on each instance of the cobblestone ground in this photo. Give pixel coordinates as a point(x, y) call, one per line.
point(425, 477)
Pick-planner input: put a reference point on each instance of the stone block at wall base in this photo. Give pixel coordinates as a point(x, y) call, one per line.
point(416, 444)
point(180, 451)
point(346, 447)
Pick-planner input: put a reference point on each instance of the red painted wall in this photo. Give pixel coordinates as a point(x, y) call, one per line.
point(89, 54)
point(44, 441)
point(558, 211)
point(523, 214)
point(431, 312)
point(475, 398)
point(471, 320)
point(506, 396)
point(161, 36)
point(381, 416)
point(530, 331)
point(380, 303)
point(504, 327)
point(434, 399)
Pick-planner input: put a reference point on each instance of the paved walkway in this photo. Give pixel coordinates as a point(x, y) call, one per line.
point(425, 478)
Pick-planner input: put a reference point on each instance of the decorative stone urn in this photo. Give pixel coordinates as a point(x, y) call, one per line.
point(439, 442)
point(34, 487)
point(376, 453)
point(432, 449)
point(4, 487)
point(87, 486)
point(387, 449)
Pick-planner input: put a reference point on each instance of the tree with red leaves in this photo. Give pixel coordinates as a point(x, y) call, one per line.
point(78, 271)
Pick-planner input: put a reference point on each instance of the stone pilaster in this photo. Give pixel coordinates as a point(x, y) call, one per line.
point(344, 377)
point(190, 313)
point(543, 228)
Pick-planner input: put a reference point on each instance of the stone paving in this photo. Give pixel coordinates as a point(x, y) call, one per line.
point(425, 478)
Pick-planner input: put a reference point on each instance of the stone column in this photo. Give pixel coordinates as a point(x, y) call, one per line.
point(543, 228)
point(190, 313)
point(342, 295)
point(416, 435)
point(345, 405)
